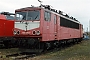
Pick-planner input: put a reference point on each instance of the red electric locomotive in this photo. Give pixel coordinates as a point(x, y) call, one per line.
point(6, 28)
point(43, 28)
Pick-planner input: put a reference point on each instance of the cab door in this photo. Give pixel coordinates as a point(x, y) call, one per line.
point(46, 26)
point(55, 26)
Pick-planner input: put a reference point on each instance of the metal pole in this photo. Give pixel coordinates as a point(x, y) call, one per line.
point(89, 25)
point(87, 30)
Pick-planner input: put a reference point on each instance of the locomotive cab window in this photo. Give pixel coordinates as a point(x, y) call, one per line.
point(33, 15)
point(10, 17)
point(28, 15)
point(55, 19)
point(47, 16)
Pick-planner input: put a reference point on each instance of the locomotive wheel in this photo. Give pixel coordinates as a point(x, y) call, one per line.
point(41, 46)
point(77, 41)
point(56, 44)
point(6, 44)
point(73, 41)
point(48, 45)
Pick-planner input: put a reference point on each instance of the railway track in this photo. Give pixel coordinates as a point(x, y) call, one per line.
point(23, 55)
point(26, 54)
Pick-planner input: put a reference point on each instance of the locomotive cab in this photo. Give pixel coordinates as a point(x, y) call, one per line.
point(27, 22)
point(27, 29)
point(6, 28)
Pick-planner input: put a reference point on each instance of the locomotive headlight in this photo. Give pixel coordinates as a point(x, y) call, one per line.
point(38, 32)
point(18, 32)
point(34, 32)
point(14, 32)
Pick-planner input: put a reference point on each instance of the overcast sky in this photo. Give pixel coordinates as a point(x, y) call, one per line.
point(80, 9)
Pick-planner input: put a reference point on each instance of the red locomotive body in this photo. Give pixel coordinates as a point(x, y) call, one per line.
point(6, 28)
point(45, 27)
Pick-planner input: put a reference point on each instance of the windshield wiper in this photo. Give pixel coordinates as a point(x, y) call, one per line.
point(36, 17)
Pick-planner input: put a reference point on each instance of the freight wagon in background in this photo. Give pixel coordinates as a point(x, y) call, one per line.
point(44, 28)
point(6, 28)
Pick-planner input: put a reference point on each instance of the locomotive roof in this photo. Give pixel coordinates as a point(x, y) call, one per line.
point(50, 10)
point(7, 13)
point(68, 18)
point(28, 8)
